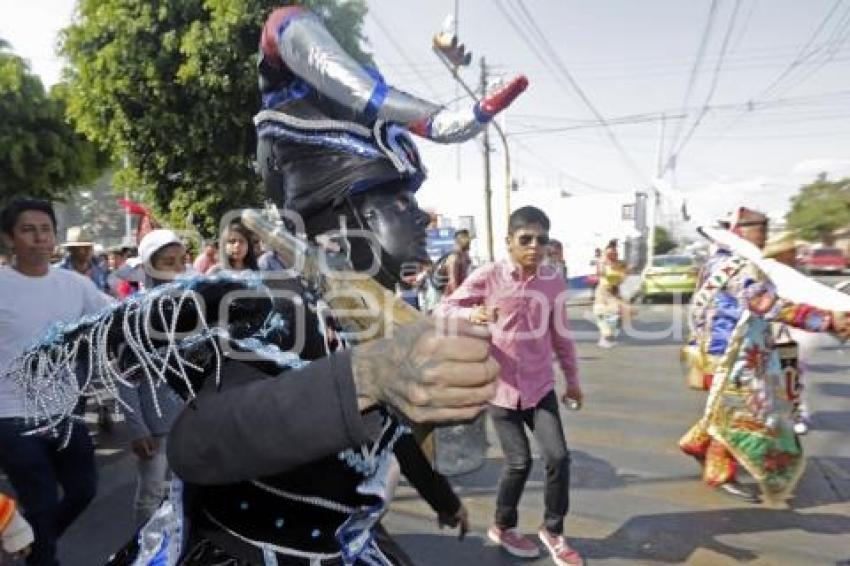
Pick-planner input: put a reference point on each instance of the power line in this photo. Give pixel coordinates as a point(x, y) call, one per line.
point(816, 100)
point(743, 31)
point(522, 34)
point(674, 154)
point(832, 47)
point(559, 65)
point(703, 44)
point(621, 121)
point(548, 164)
point(397, 46)
point(801, 55)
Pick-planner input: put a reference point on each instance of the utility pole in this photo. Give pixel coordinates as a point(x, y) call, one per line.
point(457, 101)
point(488, 210)
point(652, 204)
point(128, 221)
point(453, 55)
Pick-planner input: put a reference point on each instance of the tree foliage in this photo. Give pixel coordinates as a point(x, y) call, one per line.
point(42, 155)
point(95, 206)
point(171, 86)
point(820, 207)
point(663, 242)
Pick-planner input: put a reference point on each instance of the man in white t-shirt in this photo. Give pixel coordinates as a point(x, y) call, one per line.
point(33, 297)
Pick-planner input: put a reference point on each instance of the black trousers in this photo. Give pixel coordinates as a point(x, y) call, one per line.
point(544, 421)
point(37, 466)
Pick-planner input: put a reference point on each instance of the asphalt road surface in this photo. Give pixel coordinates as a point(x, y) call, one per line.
point(635, 498)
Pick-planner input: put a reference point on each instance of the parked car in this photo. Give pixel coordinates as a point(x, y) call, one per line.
point(822, 260)
point(669, 275)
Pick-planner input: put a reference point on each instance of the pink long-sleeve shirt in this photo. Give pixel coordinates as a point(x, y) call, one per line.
point(531, 325)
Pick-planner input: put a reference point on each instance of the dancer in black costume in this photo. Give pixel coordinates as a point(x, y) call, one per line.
point(296, 469)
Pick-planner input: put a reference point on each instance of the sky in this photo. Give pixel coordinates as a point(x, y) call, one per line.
point(771, 87)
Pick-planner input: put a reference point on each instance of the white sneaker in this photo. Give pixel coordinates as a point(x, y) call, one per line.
point(561, 552)
point(801, 428)
point(605, 343)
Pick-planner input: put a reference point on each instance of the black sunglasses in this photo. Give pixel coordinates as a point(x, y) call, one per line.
point(526, 239)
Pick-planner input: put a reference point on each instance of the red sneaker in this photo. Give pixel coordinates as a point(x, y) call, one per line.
point(513, 542)
point(561, 552)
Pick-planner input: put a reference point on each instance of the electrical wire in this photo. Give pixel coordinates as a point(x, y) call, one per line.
point(548, 164)
point(839, 37)
point(675, 153)
point(802, 54)
point(623, 121)
point(555, 61)
point(703, 45)
point(397, 46)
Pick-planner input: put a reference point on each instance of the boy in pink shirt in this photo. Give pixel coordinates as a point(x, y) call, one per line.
point(524, 304)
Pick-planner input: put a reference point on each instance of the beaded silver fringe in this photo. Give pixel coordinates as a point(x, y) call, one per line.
point(75, 361)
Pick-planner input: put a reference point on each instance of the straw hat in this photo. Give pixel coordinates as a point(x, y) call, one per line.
point(780, 243)
point(77, 236)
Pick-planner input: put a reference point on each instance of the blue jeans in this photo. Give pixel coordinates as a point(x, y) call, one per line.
point(37, 466)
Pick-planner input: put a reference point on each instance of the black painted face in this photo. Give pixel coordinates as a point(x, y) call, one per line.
point(398, 223)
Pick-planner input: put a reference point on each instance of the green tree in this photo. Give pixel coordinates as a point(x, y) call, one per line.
point(663, 242)
point(171, 85)
point(42, 155)
point(820, 207)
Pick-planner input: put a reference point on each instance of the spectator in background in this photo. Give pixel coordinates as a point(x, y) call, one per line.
point(238, 249)
point(207, 258)
point(410, 287)
point(4, 260)
point(161, 255)
point(101, 256)
point(555, 257)
point(458, 262)
point(596, 263)
point(117, 259)
point(257, 245)
point(37, 465)
point(270, 260)
point(80, 257)
point(116, 256)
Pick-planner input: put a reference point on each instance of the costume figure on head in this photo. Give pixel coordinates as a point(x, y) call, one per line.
point(332, 134)
point(747, 417)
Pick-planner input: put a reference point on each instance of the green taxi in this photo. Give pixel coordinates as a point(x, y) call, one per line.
point(669, 275)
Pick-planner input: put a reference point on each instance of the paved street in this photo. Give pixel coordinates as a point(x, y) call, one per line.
point(635, 498)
